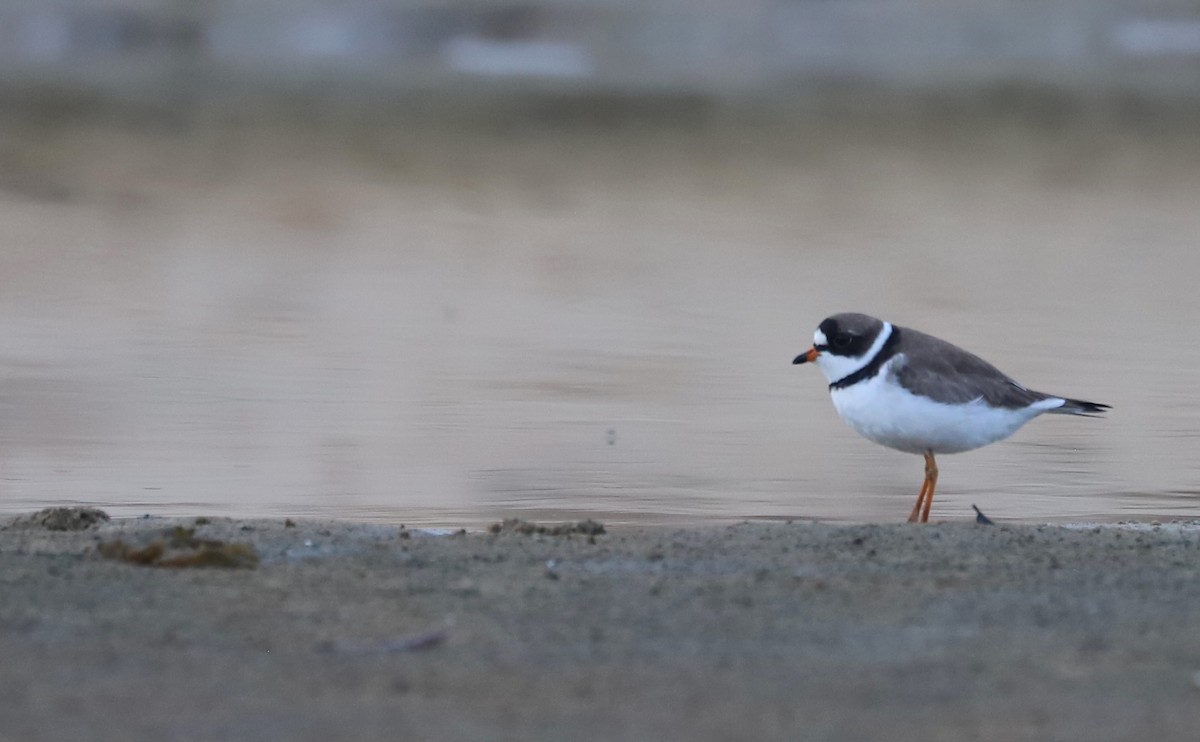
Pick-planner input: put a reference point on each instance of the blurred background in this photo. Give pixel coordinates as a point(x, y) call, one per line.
point(443, 261)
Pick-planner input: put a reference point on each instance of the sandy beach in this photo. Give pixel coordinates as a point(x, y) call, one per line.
point(757, 630)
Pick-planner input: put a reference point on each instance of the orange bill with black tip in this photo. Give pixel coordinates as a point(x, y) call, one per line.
point(808, 356)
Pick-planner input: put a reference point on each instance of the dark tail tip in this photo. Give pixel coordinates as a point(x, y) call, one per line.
point(1081, 407)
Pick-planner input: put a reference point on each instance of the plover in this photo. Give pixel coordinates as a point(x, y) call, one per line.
point(915, 393)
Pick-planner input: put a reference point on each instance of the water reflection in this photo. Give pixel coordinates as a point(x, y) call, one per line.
point(450, 328)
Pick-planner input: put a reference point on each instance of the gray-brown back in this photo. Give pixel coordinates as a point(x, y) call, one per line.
point(945, 372)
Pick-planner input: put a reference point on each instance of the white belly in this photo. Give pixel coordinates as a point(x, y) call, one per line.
point(886, 413)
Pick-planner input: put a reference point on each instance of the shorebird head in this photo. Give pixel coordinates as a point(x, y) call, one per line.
point(845, 343)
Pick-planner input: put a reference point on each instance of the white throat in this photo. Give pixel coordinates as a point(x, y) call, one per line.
point(837, 368)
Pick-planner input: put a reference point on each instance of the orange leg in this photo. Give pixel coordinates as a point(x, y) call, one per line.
point(931, 472)
point(920, 511)
point(915, 515)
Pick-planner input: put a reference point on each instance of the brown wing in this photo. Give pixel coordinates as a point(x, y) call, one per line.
point(947, 373)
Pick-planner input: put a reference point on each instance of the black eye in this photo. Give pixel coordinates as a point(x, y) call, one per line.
point(842, 340)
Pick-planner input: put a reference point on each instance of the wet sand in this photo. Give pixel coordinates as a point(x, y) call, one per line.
point(952, 631)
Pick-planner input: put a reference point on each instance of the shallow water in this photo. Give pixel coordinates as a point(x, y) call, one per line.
point(445, 328)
